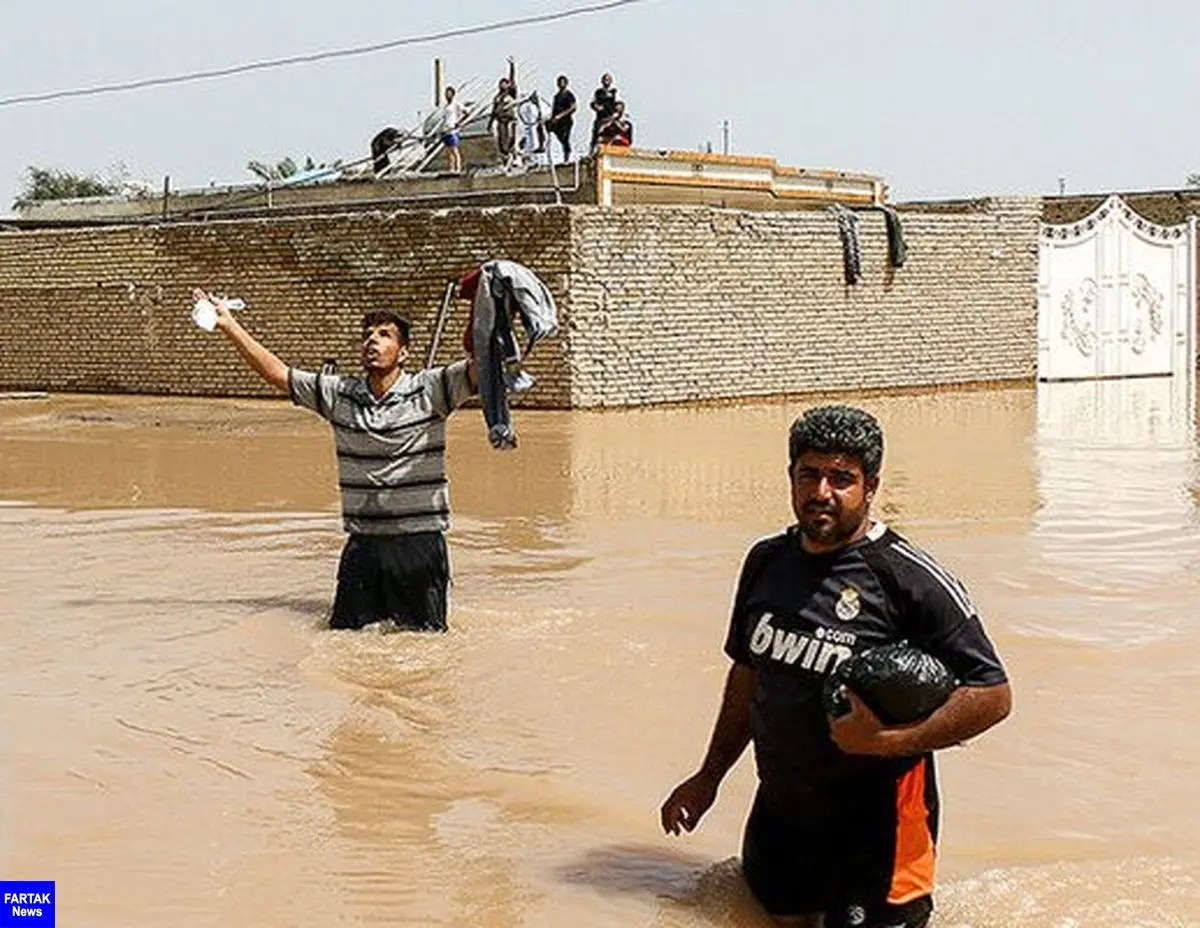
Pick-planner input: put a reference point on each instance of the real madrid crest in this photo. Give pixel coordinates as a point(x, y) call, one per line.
point(848, 605)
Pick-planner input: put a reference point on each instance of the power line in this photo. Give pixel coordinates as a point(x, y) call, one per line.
point(315, 56)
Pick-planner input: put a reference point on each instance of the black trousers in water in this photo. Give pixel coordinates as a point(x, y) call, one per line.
point(835, 854)
point(403, 578)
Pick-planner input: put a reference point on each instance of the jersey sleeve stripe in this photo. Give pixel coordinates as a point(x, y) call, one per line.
point(957, 593)
point(927, 559)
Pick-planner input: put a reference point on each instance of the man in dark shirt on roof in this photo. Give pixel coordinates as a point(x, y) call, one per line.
point(389, 429)
point(562, 116)
point(604, 104)
point(844, 823)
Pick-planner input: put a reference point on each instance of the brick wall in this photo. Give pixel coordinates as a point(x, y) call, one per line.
point(108, 309)
point(658, 304)
point(677, 304)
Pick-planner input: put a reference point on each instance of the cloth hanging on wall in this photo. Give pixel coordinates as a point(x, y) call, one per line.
point(848, 231)
point(897, 251)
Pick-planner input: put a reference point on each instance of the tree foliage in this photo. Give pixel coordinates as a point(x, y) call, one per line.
point(40, 184)
point(54, 184)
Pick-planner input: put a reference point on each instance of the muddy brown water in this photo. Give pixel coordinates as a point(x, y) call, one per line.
point(181, 742)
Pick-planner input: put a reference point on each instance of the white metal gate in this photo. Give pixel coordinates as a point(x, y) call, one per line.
point(1116, 297)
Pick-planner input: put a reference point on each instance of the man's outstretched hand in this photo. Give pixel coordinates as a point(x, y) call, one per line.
point(224, 316)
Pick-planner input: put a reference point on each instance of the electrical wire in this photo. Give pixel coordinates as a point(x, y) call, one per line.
point(314, 56)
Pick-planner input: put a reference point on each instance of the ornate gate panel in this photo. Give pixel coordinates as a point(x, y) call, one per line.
point(1116, 297)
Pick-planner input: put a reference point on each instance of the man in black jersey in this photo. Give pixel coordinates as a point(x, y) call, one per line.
point(844, 824)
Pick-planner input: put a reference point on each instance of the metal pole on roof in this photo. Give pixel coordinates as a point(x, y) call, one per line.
point(440, 323)
point(439, 82)
point(554, 175)
point(725, 136)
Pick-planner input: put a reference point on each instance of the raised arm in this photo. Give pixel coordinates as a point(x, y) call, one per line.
point(261, 361)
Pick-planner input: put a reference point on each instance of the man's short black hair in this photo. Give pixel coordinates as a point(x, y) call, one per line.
point(383, 317)
point(838, 430)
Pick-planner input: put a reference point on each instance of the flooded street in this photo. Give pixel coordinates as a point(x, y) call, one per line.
point(182, 742)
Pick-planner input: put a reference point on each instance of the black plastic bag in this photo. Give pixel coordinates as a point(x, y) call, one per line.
point(899, 683)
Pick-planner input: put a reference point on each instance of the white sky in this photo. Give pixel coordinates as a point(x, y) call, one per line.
point(944, 98)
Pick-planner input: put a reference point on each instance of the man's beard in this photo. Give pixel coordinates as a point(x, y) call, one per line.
point(836, 529)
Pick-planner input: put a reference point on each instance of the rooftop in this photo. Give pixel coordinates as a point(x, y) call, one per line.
point(613, 176)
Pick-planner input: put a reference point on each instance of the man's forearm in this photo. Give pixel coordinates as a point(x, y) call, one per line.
point(970, 711)
point(262, 361)
point(731, 734)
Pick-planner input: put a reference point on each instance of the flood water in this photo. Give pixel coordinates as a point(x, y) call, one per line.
point(183, 743)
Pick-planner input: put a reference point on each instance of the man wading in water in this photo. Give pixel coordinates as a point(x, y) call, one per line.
point(390, 433)
point(845, 819)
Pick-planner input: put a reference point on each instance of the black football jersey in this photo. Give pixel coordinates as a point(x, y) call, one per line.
point(797, 616)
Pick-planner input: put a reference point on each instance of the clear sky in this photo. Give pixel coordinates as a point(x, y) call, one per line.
point(944, 98)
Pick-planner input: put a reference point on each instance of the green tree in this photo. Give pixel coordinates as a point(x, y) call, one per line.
point(1193, 179)
point(55, 184)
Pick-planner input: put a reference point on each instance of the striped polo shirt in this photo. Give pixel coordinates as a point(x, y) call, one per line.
point(391, 451)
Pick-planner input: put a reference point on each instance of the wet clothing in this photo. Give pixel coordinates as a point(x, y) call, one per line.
point(404, 578)
point(836, 854)
point(796, 617)
point(502, 293)
point(391, 455)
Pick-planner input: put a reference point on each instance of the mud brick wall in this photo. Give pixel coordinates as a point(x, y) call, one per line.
point(694, 304)
point(107, 310)
point(657, 304)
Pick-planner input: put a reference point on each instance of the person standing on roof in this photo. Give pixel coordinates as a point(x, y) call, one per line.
point(450, 120)
point(504, 116)
point(562, 116)
point(604, 104)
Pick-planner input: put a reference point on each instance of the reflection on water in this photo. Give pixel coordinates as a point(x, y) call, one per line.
point(1117, 465)
point(175, 718)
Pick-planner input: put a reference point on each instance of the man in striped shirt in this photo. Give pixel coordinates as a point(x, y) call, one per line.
point(389, 429)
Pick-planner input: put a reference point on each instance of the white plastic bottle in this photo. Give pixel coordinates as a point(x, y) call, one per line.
point(204, 314)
